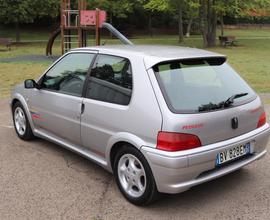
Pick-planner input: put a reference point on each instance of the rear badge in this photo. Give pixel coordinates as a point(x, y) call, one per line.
point(234, 122)
point(192, 126)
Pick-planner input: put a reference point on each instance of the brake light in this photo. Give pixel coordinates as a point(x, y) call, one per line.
point(262, 120)
point(170, 141)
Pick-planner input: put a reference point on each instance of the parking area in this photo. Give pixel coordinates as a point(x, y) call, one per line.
point(40, 180)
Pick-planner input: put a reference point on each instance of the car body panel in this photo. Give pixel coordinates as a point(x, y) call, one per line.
point(178, 171)
point(56, 112)
point(20, 94)
point(102, 121)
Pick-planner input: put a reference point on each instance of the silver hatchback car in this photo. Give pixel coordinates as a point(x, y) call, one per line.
point(161, 119)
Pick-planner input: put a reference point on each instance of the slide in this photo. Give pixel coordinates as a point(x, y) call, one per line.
point(116, 33)
point(53, 36)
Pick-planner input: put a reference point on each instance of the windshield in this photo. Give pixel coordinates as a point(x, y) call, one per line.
point(191, 86)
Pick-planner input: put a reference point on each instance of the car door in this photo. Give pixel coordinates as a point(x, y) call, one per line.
point(56, 107)
point(107, 96)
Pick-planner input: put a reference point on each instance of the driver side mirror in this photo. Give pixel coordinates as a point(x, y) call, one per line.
point(31, 84)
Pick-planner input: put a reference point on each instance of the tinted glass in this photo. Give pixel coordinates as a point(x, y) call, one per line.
point(193, 86)
point(111, 80)
point(69, 74)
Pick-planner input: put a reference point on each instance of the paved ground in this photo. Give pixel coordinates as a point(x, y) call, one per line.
point(39, 180)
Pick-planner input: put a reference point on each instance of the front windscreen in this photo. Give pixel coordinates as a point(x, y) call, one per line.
point(201, 85)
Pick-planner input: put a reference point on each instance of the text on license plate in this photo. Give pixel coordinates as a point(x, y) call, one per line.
point(232, 153)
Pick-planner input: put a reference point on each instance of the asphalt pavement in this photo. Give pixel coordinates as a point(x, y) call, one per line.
point(40, 180)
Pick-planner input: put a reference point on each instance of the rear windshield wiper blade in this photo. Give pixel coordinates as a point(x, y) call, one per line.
point(231, 99)
point(210, 106)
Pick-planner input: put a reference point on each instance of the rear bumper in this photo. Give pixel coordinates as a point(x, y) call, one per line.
point(176, 172)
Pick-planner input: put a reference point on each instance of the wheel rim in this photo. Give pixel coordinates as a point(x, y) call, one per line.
point(20, 121)
point(131, 175)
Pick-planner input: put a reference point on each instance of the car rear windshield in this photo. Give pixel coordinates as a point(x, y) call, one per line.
point(201, 85)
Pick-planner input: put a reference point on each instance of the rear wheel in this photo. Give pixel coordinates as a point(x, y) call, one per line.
point(21, 123)
point(134, 176)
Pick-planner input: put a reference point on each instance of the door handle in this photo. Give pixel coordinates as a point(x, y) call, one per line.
point(82, 108)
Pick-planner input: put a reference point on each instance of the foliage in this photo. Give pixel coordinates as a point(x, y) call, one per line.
point(25, 11)
point(118, 8)
point(157, 5)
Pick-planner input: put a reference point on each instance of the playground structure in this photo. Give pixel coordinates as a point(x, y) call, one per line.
point(76, 25)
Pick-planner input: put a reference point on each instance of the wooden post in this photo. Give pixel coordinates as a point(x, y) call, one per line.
point(97, 28)
point(63, 7)
point(79, 30)
point(62, 40)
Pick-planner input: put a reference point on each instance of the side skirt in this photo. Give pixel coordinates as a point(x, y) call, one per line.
point(76, 149)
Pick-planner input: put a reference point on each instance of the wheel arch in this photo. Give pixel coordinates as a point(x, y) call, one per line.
point(15, 100)
point(118, 141)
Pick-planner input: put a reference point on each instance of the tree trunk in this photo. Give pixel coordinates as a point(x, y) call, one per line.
point(180, 22)
point(221, 25)
point(190, 20)
point(111, 16)
point(18, 34)
point(150, 29)
point(213, 32)
point(208, 22)
point(203, 23)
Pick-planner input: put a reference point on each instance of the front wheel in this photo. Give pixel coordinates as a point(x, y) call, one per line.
point(21, 123)
point(134, 176)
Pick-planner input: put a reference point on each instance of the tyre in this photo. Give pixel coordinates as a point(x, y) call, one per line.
point(134, 176)
point(21, 122)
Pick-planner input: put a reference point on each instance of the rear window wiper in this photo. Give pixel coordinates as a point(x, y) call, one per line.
point(224, 104)
point(231, 99)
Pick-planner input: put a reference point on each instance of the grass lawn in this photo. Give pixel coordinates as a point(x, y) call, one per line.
point(251, 58)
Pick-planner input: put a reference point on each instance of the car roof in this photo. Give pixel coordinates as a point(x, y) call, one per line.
point(153, 54)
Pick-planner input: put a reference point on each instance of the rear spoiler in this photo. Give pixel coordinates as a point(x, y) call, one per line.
point(213, 61)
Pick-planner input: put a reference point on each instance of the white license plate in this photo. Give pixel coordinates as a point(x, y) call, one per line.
point(232, 153)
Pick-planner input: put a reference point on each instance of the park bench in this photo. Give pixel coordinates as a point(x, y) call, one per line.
point(227, 41)
point(6, 42)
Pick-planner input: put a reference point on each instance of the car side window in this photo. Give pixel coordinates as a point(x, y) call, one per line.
point(110, 80)
point(68, 75)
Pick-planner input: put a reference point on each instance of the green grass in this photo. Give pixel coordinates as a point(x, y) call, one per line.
point(14, 73)
point(25, 33)
point(251, 58)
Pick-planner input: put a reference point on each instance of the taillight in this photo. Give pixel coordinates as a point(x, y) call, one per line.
point(170, 141)
point(262, 120)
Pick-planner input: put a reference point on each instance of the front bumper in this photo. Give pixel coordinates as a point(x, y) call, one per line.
point(176, 172)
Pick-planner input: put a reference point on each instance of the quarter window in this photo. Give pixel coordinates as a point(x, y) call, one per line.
point(68, 75)
point(110, 80)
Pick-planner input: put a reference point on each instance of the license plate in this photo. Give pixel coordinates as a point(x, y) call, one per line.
point(233, 153)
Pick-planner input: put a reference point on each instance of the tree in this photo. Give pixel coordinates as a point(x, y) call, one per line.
point(25, 11)
point(210, 10)
point(171, 6)
point(153, 6)
point(179, 5)
point(208, 21)
point(191, 13)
